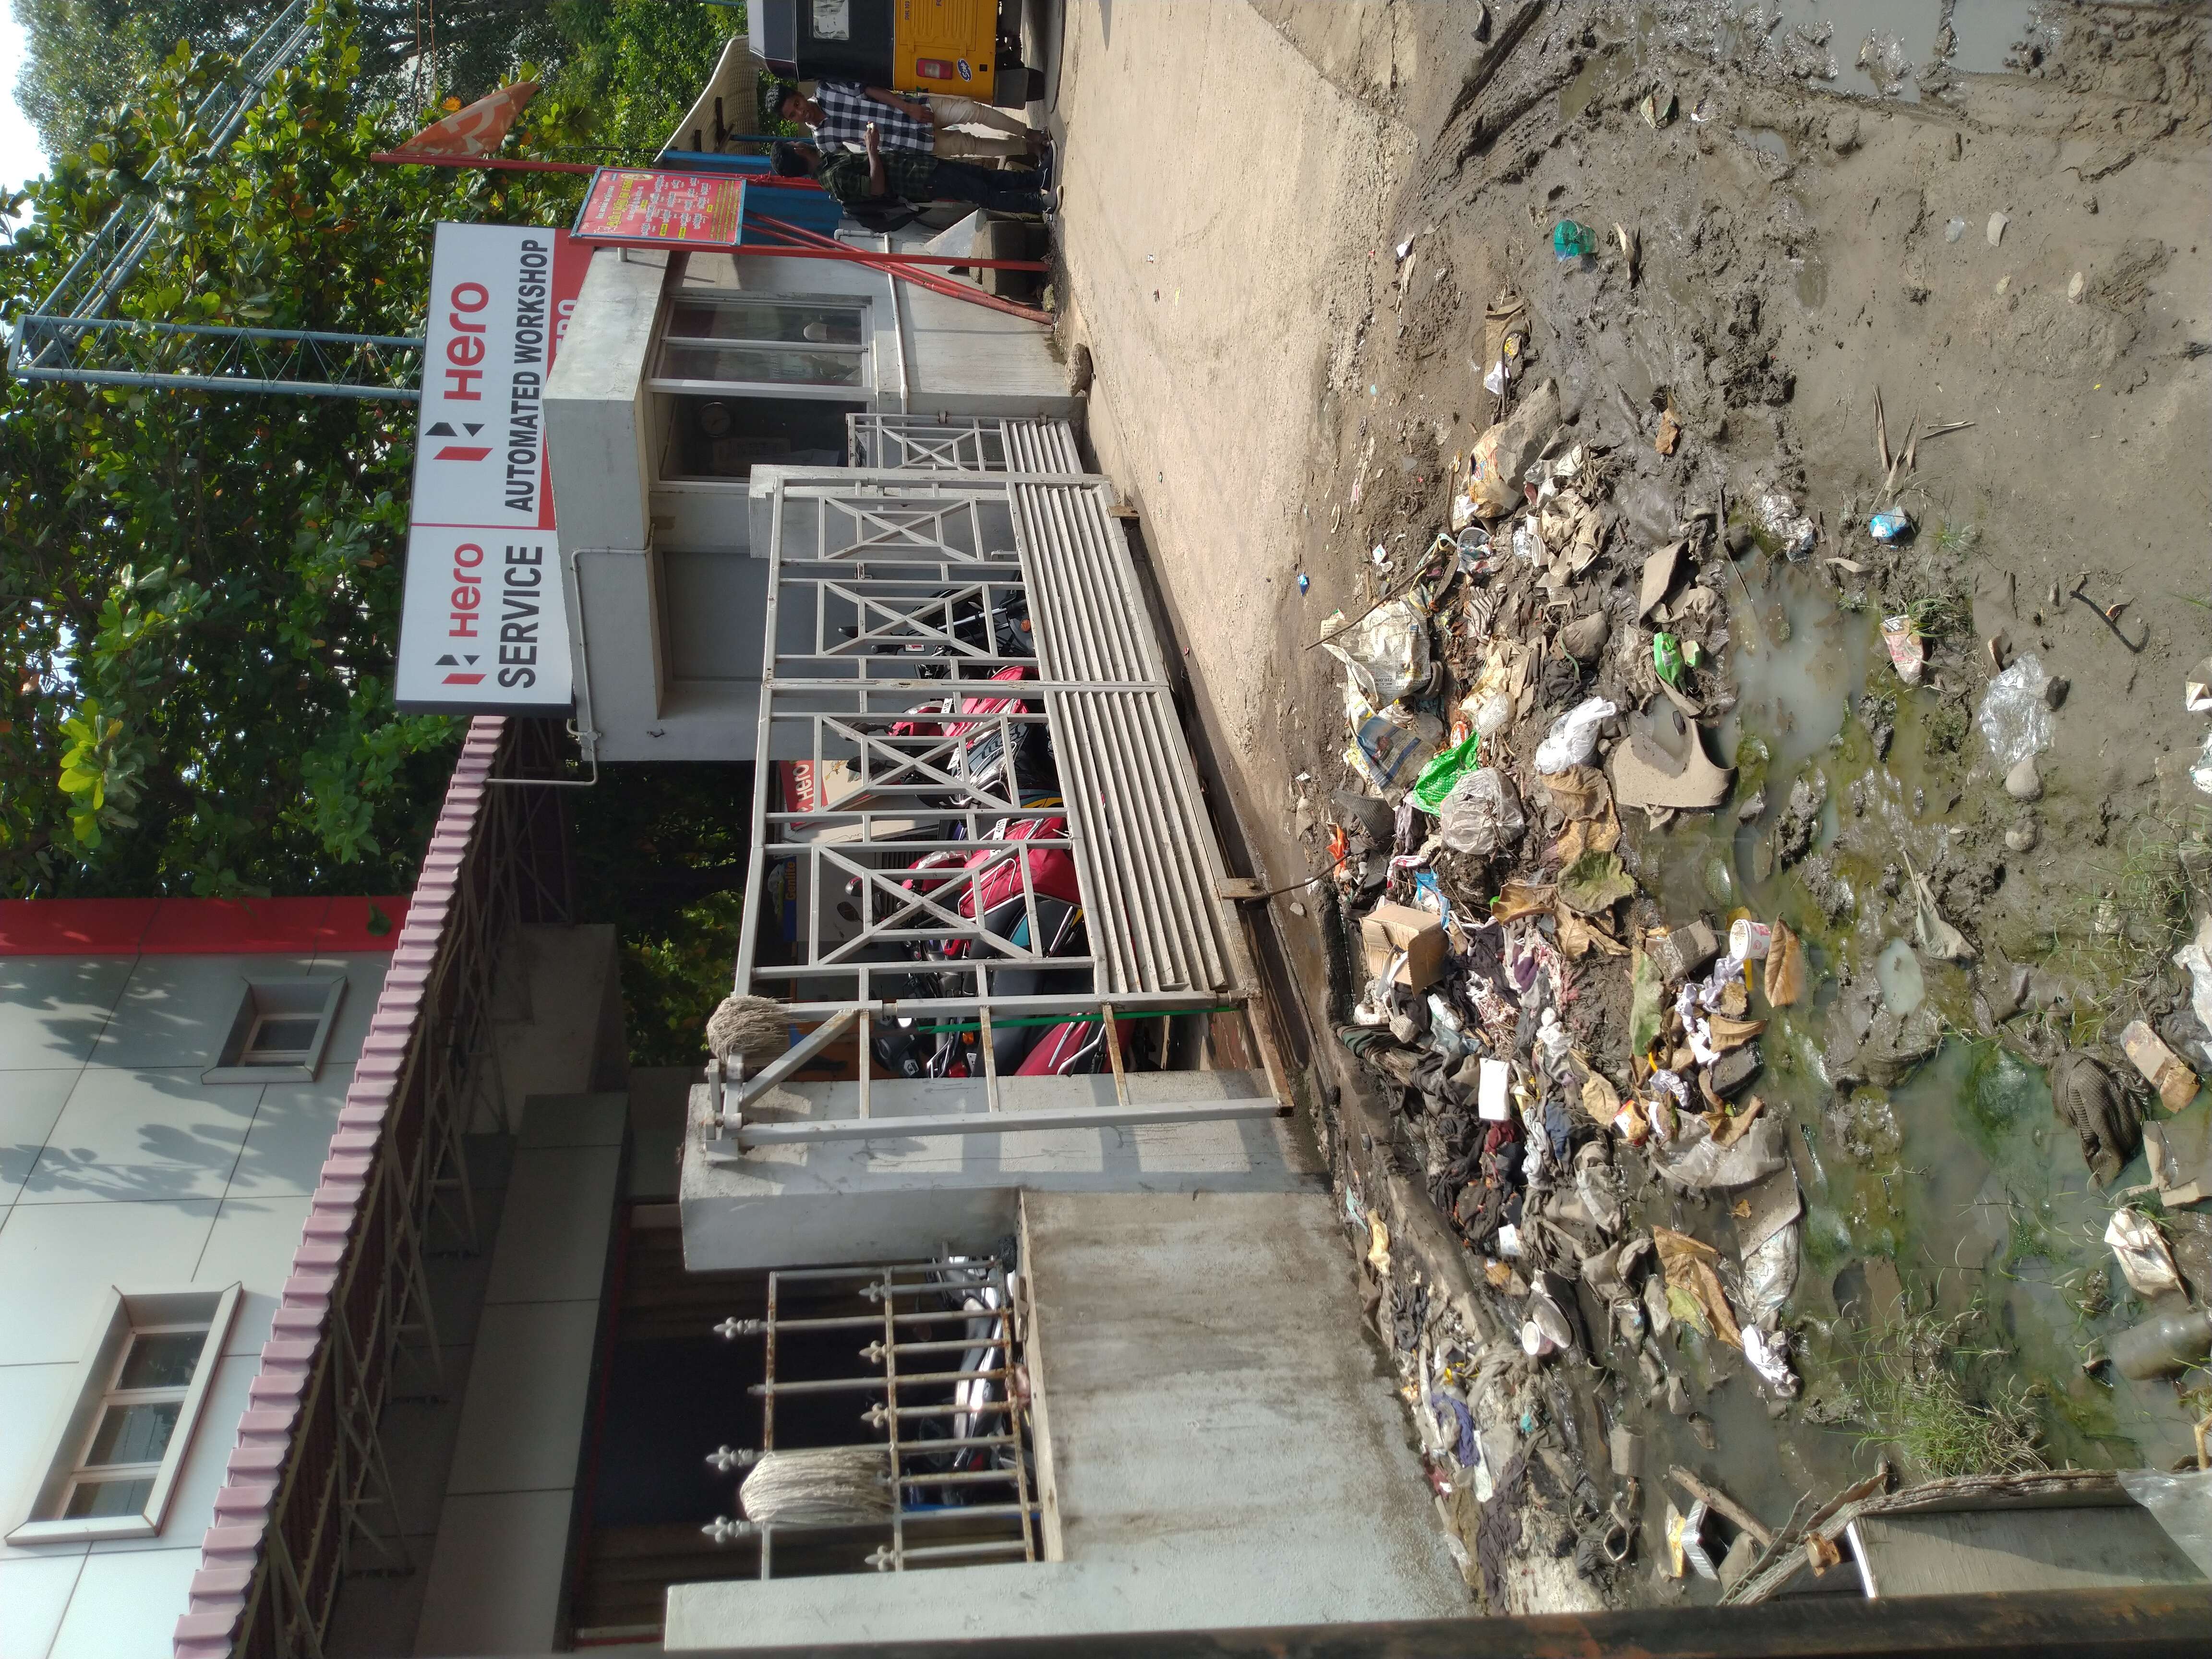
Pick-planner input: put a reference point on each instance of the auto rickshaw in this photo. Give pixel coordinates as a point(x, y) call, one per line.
point(971, 48)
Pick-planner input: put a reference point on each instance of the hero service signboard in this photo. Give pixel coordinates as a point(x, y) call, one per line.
point(485, 626)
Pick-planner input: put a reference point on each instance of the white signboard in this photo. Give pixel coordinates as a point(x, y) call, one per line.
point(485, 623)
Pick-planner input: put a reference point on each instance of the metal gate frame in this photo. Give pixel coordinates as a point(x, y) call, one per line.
point(867, 567)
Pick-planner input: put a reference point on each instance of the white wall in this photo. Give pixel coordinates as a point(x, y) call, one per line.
point(118, 1167)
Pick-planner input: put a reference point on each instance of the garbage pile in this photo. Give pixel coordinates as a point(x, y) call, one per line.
point(1562, 1053)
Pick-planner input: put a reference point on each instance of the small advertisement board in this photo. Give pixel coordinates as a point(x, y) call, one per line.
point(645, 206)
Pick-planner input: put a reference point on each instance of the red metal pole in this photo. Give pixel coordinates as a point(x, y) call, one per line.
point(494, 163)
point(898, 265)
point(845, 250)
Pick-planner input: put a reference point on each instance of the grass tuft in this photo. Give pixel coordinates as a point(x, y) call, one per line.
point(1913, 1382)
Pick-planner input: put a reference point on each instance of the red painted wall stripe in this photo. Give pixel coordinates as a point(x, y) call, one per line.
point(186, 926)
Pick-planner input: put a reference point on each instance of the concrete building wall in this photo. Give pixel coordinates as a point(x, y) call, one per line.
point(665, 599)
point(1214, 1452)
point(119, 1167)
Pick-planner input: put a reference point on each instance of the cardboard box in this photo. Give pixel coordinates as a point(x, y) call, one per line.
point(1390, 928)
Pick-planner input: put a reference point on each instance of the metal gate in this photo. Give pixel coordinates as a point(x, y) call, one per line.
point(898, 679)
point(962, 443)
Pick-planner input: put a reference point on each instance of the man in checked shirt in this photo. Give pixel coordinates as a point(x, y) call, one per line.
point(840, 111)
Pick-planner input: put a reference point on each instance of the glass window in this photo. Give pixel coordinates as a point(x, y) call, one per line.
point(90, 1500)
point(141, 1385)
point(280, 1041)
point(767, 364)
point(714, 340)
point(762, 320)
point(138, 1418)
point(161, 1360)
point(133, 1434)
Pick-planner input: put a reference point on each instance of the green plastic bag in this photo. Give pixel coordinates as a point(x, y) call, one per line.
point(1438, 776)
point(1667, 658)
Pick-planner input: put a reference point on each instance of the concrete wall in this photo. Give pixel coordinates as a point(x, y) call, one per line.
point(664, 605)
point(601, 434)
point(119, 1167)
point(1220, 1447)
point(894, 1199)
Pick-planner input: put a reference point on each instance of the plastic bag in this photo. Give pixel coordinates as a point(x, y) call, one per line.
point(1769, 1274)
point(1573, 737)
point(2016, 721)
point(2145, 1262)
point(1441, 774)
point(1783, 521)
point(1481, 815)
point(1385, 652)
point(1493, 714)
point(2182, 1506)
point(1503, 453)
point(2201, 774)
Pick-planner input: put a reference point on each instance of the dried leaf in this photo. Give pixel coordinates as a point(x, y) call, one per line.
point(1689, 1266)
point(1580, 792)
point(1600, 1099)
point(1670, 432)
point(1820, 1554)
point(1731, 1127)
point(1595, 882)
point(1578, 937)
point(1785, 968)
point(1521, 898)
point(1734, 1033)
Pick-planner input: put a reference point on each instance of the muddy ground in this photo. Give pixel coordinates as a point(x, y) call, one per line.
point(2003, 220)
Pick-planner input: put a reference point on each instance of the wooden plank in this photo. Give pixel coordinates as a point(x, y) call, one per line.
point(1967, 1552)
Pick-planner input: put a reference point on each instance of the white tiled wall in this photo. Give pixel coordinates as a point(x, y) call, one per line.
point(118, 1167)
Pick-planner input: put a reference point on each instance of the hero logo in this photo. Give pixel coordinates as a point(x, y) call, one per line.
point(457, 452)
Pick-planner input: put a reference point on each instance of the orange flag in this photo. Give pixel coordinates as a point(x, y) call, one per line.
point(477, 130)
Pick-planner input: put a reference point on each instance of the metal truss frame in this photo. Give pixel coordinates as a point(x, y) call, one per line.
point(71, 335)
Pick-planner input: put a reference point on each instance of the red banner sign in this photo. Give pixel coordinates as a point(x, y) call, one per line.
point(636, 205)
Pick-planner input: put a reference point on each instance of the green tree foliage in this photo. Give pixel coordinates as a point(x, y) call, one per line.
point(661, 851)
point(86, 55)
point(199, 594)
point(629, 68)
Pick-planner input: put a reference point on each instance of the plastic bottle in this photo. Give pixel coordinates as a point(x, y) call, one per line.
point(1572, 241)
point(2161, 1346)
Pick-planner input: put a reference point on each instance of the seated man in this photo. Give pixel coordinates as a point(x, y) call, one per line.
point(877, 177)
point(840, 109)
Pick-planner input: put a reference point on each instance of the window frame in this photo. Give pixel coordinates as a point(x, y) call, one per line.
point(861, 352)
point(126, 1315)
point(266, 1000)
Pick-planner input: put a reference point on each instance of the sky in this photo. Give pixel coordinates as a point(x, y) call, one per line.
point(20, 157)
